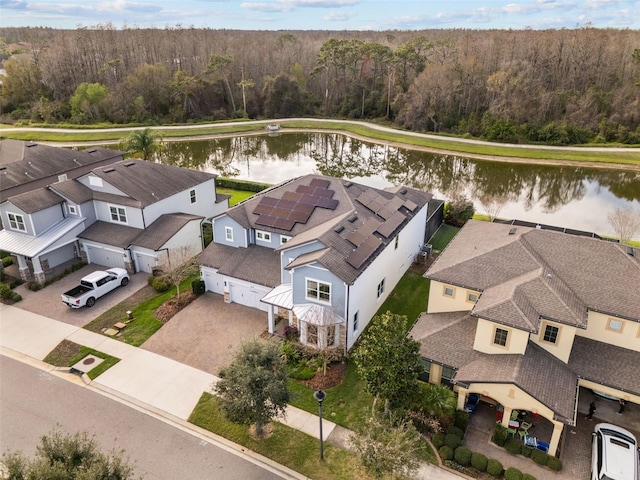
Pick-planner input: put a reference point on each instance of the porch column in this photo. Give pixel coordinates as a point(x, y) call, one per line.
point(38, 273)
point(290, 318)
point(555, 437)
point(23, 268)
point(435, 374)
point(462, 397)
point(506, 416)
point(271, 322)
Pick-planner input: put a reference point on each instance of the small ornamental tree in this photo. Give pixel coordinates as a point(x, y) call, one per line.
point(625, 222)
point(388, 360)
point(459, 210)
point(253, 388)
point(143, 142)
point(388, 446)
point(67, 456)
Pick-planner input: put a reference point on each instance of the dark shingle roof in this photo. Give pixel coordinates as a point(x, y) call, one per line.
point(534, 273)
point(148, 182)
point(163, 229)
point(104, 232)
point(36, 200)
point(322, 223)
point(73, 190)
point(254, 264)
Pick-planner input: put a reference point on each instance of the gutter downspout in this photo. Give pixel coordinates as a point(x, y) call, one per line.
point(346, 314)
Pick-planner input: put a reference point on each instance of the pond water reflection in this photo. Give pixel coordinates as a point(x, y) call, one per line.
point(572, 197)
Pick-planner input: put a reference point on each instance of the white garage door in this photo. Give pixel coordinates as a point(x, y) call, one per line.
point(213, 281)
point(145, 263)
point(105, 257)
point(248, 295)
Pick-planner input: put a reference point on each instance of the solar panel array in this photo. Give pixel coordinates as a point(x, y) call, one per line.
point(390, 224)
point(363, 231)
point(361, 254)
point(295, 207)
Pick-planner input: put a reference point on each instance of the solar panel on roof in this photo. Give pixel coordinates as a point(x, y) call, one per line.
point(391, 224)
point(305, 189)
point(361, 254)
point(263, 209)
point(284, 223)
point(323, 192)
point(377, 203)
point(288, 204)
point(329, 203)
point(267, 220)
point(410, 205)
point(318, 182)
point(299, 216)
point(294, 196)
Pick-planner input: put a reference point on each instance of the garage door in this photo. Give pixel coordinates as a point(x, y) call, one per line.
point(248, 295)
point(213, 281)
point(145, 263)
point(102, 256)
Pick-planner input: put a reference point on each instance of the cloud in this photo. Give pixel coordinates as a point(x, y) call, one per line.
point(290, 5)
point(14, 4)
point(335, 16)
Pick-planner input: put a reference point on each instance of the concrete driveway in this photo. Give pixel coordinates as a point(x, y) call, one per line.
point(47, 301)
point(207, 333)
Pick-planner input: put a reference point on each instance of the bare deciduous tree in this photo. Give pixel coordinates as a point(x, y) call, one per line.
point(181, 264)
point(625, 222)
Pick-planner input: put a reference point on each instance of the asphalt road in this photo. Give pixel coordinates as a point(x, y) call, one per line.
point(33, 402)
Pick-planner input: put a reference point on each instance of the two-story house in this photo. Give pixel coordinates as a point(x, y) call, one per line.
point(321, 252)
point(132, 214)
point(527, 316)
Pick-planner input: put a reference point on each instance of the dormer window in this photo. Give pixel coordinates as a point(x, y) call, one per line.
point(16, 222)
point(264, 236)
point(500, 337)
point(118, 214)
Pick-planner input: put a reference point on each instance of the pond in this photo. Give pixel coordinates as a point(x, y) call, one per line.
point(565, 196)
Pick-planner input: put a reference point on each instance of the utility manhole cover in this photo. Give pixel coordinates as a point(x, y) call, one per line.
point(87, 363)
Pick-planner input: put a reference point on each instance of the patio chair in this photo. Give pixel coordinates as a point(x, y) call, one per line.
point(514, 415)
point(525, 425)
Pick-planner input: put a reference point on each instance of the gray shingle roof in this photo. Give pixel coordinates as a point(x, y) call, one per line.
point(148, 182)
point(36, 200)
point(254, 264)
point(537, 372)
point(110, 233)
point(540, 273)
point(72, 190)
point(322, 223)
point(163, 229)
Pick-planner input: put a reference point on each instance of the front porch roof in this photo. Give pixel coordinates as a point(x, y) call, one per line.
point(281, 296)
point(22, 244)
point(537, 372)
point(317, 314)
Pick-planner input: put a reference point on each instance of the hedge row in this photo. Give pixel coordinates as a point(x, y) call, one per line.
point(516, 447)
point(242, 185)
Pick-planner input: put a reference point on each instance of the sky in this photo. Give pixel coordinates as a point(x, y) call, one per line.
point(322, 14)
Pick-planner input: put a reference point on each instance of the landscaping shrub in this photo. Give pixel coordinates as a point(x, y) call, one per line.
point(438, 440)
point(554, 463)
point(461, 420)
point(198, 287)
point(499, 435)
point(159, 284)
point(526, 476)
point(6, 261)
point(494, 467)
point(462, 455)
point(513, 446)
point(302, 370)
point(15, 297)
point(34, 287)
point(539, 457)
point(526, 451)
point(479, 461)
point(452, 441)
point(512, 473)
point(446, 453)
point(458, 432)
point(242, 185)
point(291, 332)
point(5, 291)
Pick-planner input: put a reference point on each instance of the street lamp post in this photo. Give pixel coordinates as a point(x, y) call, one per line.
point(320, 396)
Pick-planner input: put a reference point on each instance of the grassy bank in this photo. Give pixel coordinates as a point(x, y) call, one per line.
point(365, 131)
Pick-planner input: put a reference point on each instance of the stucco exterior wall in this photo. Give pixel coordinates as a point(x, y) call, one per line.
point(516, 339)
point(562, 348)
point(599, 328)
point(440, 301)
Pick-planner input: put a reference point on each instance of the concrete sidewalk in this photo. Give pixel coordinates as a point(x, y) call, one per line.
point(143, 378)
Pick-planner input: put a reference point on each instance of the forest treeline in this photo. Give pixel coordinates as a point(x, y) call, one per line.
point(569, 86)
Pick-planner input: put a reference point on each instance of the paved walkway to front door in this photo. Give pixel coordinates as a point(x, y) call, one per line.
point(207, 333)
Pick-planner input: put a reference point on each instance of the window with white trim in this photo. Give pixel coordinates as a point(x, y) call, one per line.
point(72, 210)
point(312, 334)
point(264, 236)
point(192, 195)
point(319, 291)
point(551, 333)
point(284, 239)
point(228, 233)
point(118, 214)
point(381, 287)
point(16, 222)
point(615, 325)
point(501, 336)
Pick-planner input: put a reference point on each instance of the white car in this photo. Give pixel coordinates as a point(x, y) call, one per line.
point(94, 286)
point(614, 453)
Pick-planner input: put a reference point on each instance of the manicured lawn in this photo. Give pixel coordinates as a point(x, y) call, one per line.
point(408, 298)
point(443, 236)
point(285, 446)
point(68, 353)
point(237, 196)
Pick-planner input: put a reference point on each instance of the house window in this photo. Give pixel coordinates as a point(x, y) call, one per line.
point(73, 210)
point(448, 374)
point(228, 233)
point(551, 334)
point(16, 222)
point(356, 318)
point(449, 292)
point(118, 214)
point(312, 334)
point(260, 235)
point(381, 287)
point(426, 365)
point(500, 337)
point(192, 195)
point(317, 290)
point(395, 243)
point(615, 325)
point(472, 297)
point(284, 239)
point(331, 335)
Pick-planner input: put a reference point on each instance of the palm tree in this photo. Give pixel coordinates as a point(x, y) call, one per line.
point(145, 142)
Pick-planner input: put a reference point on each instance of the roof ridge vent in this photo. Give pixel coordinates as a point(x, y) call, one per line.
point(339, 229)
point(129, 164)
point(631, 251)
point(109, 170)
point(353, 217)
point(512, 231)
point(93, 150)
point(403, 190)
point(31, 144)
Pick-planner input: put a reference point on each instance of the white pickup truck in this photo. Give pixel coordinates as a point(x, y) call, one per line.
point(94, 286)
